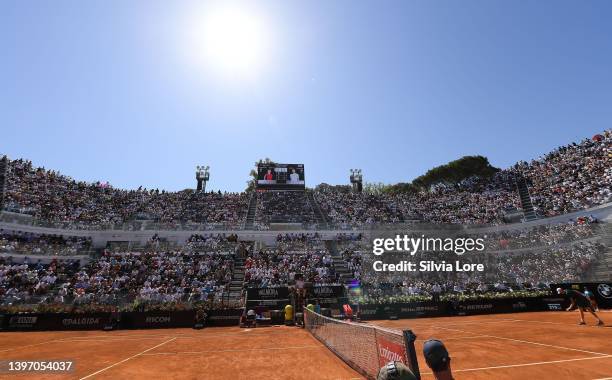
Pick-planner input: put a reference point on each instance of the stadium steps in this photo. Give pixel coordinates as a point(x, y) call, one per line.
point(396, 211)
point(526, 204)
point(602, 271)
point(321, 220)
point(237, 283)
point(3, 175)
point(340, 266)
point(250, 218)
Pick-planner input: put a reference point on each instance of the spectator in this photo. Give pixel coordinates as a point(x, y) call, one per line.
point(395, 371)
point(438, 359)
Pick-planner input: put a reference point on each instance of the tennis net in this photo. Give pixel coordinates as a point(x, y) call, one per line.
point(365, 348)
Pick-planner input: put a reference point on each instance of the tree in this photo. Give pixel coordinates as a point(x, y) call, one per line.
point(456, 171)
point(252, 182)
point(402, 187)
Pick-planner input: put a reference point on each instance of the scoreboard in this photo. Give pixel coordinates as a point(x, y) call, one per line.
point(272, 176)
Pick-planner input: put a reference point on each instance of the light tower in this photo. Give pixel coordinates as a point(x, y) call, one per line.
point(356, 180)
point(202, 176)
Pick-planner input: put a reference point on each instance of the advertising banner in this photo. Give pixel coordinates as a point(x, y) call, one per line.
point(390, 351)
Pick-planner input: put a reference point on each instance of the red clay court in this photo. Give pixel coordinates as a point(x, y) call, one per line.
point(546, 345)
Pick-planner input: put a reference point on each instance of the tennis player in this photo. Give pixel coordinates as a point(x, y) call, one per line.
point(581, 302)
point(591, 298)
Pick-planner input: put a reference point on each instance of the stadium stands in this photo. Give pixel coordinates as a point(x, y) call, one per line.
point(201, 268)
point(199, 272)
point(573, 177)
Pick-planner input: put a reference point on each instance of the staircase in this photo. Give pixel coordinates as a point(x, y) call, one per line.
point(3, 175)
point(250, 219)
point(602, 270)
point(395, 211)
point(236, 285)
point(340, 265)
point(526, 204)
point(321, 220)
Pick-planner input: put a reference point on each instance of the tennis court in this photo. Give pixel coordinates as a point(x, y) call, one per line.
point(547, 345)
point(506, 346)
point(212, 353)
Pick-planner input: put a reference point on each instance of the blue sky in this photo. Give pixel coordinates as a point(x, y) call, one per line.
point(103, 90)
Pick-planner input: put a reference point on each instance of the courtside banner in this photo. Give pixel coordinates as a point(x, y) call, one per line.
point(326, 291)
point(390, 351)
point(157, 319)
point(59, 321)
point(438, 309)
point(225, 317)
point(281, 292)
point(126, 320)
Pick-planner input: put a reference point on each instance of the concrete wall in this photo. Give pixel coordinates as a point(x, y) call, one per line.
point(101, 237)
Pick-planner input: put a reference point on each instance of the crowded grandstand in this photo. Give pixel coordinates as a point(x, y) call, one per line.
point(40, 270)
point(259, 257)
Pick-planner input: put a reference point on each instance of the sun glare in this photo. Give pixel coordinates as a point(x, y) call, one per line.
point(231, 40)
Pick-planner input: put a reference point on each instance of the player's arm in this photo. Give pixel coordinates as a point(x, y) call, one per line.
point(571, 306)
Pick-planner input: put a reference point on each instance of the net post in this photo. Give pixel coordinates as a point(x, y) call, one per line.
point(409, 338)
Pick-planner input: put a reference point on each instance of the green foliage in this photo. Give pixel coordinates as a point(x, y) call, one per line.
point(401, 187)
point(452, 173)
point(456, 171)
point(253, 173)
point(323, 187)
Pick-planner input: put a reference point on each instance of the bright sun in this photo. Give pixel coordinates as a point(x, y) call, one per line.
point(230, 39)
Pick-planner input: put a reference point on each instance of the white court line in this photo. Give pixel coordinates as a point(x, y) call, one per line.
point(556, 323)
point(479, 322)
point(126, 359)
point(110, 335)
point(232, 350)
point(85, 338)
point(136, 337)
point(242, 334)
point(111, 339)
point(456, 338)
point(29, 345)
point(448, 323)
point(528, 364)
point(525, 341)
point(604, 378)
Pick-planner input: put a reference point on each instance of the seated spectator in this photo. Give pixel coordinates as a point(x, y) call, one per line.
point(395, 371)
point(437, 359)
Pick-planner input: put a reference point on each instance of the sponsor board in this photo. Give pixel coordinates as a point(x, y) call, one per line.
point(431, 309)
point(55, 321)
point(22, 321)
point(475, 307)
point(389, 351)
point(419, 309)
point(327, 291)
point(605, 290)
point(158, 319)
point(267, 293)
point(83, 321)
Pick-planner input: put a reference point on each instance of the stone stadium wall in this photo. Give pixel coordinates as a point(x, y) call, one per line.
point(101, 237)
